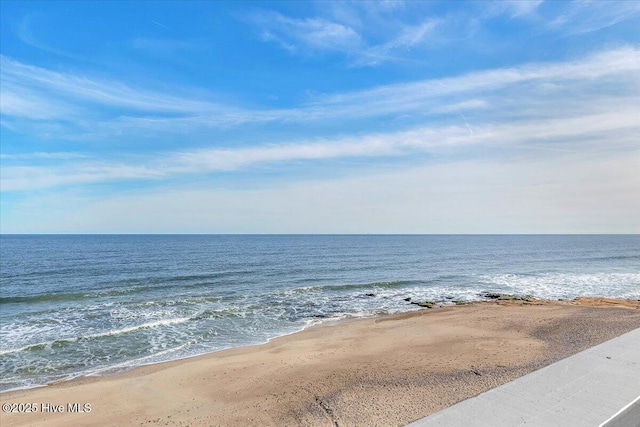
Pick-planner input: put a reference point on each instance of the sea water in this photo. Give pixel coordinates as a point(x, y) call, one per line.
point(89, 304)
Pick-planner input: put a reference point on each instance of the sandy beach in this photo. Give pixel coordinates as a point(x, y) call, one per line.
point(384, 371)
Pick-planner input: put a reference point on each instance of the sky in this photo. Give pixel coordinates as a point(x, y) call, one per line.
point(320, 117)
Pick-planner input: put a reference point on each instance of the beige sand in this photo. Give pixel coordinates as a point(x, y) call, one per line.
point(382, 371)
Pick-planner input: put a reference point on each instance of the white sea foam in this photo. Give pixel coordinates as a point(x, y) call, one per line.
point(158, 356)
point(155, 324)
point(565, 285)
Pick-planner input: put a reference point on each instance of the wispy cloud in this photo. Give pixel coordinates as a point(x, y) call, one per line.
point(304, 35)
point(371, 34)
point(593, 131)
point(375, 33)
point(515, 8)
point(515, 194)
point(394, 49)
point(21, 81)
point(321, 35)
point(160, 25)
point(24, 101)
point(22, 178)
point(26, 33)
point(456, 114)
point(39, 94)
point(44, 155)
point(580, 17)
point(624, 60)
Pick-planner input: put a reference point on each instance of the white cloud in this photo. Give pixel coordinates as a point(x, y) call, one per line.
point(25, 32)
point(581, 17)
point(38, 94)
point(592, 129)
point(300, 35)
point(554, 145)
point(19, 101)
point(555, 107)
point(43, 155)
point(313, 35)
point(515, 8)
point(561, 193)
point(612, 62)
point(373, 33)
point(394, 49)
point(17, 178)
point(19, 81)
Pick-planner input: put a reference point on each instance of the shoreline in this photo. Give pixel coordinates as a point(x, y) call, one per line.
point(332, 371)
point(111, 371)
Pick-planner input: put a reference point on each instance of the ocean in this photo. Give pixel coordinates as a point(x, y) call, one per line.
point(74, 305)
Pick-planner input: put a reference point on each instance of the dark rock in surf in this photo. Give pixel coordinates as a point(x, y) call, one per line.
point(425, 304)
point(507, 297)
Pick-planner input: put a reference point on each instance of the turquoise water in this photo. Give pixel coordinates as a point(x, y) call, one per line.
point(90, 304)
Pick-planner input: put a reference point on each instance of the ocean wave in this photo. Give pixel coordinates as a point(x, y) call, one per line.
point(613, 258)
point(45, 298)
point(218, 313)
point(61, 342)
point(112, 292)
point(357, 286)
point(51, 297)
point(149, 325)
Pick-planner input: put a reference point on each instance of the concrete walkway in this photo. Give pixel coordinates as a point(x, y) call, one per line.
point(596, 387)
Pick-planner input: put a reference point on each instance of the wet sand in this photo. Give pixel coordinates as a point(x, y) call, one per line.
point(382, 371)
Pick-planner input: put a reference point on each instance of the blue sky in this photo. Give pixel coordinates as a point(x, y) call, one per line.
point(320, 117)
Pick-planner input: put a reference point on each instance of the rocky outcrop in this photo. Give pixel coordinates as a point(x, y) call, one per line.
point(506, 297)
